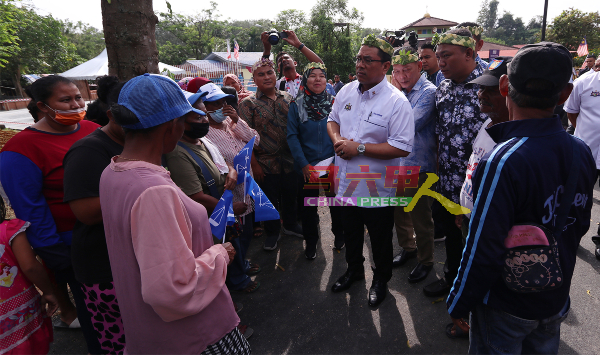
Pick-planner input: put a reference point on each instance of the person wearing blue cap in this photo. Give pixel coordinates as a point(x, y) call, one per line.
point(171, 278)
point(198, 167)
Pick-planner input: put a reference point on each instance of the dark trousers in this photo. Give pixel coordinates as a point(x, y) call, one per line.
point(281, 190)
point(438, 229)
point(598, 185)
point(84, 316)
point(380, 224)
point(236, 271)
point(454, 244)
point(310, 217)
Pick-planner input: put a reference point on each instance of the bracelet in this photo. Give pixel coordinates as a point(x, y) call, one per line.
point(301, 46)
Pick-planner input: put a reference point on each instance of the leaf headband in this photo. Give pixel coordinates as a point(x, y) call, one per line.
point(404, 57)
point(451, 38)
point(314, 65)
point(475, 30)
point(372, 41)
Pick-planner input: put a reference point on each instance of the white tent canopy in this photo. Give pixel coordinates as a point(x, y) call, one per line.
point(98, 66)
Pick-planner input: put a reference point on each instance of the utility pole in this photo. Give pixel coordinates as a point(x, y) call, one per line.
point(544, 20)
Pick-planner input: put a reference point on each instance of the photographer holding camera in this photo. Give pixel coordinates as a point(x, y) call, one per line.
point(286, 65)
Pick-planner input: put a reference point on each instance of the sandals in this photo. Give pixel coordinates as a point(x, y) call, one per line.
point(458, 332)
point(253, 269)
point(252, 286)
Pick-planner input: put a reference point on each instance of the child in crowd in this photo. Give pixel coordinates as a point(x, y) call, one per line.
point(25, 326)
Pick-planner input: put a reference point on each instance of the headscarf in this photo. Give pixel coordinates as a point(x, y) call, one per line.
point(311, 105)
point(243, 93)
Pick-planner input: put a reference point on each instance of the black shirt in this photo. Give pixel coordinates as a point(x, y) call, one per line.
point(432, 77)
point(84, 164)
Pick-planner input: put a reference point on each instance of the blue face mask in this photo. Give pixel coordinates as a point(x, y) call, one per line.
point(217, 115)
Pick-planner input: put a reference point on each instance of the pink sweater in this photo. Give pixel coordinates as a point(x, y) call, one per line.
point(168, 275)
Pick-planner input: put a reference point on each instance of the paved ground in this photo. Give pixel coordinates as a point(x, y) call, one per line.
point(294, 312)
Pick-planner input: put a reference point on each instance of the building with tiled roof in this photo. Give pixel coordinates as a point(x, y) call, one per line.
point(427, 25)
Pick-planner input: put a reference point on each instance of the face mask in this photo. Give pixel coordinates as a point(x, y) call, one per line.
point(217, 115)
point(68, 117)
point(198, 130)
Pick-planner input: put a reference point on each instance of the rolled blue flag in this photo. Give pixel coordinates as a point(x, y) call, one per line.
point(241, 162)
point(263, 208)
point(220, 217)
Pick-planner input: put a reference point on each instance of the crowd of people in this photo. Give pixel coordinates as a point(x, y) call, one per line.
point(115, 202)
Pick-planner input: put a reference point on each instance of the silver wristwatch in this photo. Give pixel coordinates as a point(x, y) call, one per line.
point(361, 149)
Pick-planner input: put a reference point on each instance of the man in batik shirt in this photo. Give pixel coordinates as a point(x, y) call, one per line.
point(459, 119)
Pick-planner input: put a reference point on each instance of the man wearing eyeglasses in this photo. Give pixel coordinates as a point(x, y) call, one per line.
point(371, 126)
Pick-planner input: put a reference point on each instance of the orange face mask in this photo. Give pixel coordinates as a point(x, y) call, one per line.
point(68, 117)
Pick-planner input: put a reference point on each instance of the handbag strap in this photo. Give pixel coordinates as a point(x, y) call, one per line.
point(210, 181)
point(569, 192)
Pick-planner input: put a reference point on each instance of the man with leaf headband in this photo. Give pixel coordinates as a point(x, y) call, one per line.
point(371, 126)
point(458, 122)
point(476, 32)
point(421, 95)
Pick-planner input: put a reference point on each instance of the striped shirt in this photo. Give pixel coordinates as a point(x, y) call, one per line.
point(230, 140)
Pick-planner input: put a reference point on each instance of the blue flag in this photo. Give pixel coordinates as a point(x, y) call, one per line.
point(241, 162)
point(264, 209)
point(222, 215)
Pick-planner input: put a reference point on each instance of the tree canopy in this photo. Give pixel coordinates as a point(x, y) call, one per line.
point(572, 25)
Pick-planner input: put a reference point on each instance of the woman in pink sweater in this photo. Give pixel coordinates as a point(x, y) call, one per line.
point(168, 275)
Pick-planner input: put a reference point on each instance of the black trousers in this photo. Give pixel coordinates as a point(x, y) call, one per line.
point(380, 224)
point(281, 189)
point(454, 244)
point(310, 217)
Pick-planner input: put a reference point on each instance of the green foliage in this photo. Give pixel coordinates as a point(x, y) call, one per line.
point(88, 40)
point(9, 41)
point(507, 29)
point(572, 25)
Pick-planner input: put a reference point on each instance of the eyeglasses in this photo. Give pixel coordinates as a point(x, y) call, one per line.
point(367, 60)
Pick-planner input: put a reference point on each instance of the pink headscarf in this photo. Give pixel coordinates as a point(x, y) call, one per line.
point(243, 93)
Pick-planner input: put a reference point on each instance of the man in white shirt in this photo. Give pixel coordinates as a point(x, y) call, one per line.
point(371, 126)
point(583, 110)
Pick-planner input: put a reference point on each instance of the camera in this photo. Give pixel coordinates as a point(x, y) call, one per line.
point(397, 39)
point(413, 38)
point(275, 36)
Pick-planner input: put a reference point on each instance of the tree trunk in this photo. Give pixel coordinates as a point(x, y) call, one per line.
point(129, 35)
point(17, 82)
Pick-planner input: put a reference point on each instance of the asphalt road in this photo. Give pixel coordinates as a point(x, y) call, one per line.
point(294, 312)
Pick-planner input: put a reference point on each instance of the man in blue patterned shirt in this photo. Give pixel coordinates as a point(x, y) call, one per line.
point(421, 95)
point(458, 121)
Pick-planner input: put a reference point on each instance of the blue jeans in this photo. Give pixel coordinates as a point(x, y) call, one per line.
point(497, 332)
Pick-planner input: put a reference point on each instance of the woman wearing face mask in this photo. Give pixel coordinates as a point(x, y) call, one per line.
point(199, 169)
point(309, 142)
point(169, 277)
point(230, 134)
point(31, 173)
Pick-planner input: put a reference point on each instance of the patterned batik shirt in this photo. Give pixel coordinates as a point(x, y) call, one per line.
point(458, 122)
point(269, 118)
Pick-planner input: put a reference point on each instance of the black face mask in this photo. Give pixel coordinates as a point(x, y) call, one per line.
point(198, 130)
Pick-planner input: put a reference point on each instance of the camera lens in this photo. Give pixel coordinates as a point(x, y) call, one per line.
point(273, 37)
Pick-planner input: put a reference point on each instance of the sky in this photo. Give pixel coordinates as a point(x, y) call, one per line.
point(389, 15)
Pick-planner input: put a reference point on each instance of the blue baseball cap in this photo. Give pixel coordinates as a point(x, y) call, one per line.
point(154, 99)
point(212, 92)
point(192, 98)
